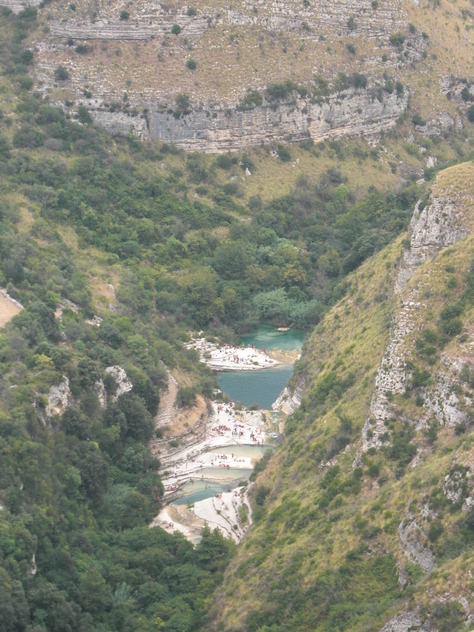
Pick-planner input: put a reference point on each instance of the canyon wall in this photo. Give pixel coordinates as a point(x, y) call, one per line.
point(323, 16)
point(209, 130)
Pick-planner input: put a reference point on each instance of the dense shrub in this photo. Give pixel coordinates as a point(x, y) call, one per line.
point(61, 74)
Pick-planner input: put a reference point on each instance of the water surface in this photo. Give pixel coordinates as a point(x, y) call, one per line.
point(208, 487)
point(255, 452)
point(266, 337)
point(262, 387)
point(255, 387)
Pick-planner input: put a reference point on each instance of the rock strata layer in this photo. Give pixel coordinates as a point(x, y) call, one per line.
point(122, 30)
point(18, 5)
point(214, 130)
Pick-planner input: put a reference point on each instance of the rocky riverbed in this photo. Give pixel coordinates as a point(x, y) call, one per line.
point(215, 462)
point(205, 470)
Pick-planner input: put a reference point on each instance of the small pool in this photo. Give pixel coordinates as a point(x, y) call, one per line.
point(208, 487)
point(254, 452)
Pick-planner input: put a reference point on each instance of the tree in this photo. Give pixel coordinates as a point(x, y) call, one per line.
point(182, 104)
point(214, 550)
point(274, 304)
point(186, 397)
point(200, 293)
point(294, 275)
point(176, 29)
point(61, 74)
point(5, 152)
point(88, 371)
point(358, 80)
point(284, 153)
point(330, 263)
point(94, 472)
point(110, 335)
point(75, 423)
point(28, 137)
point(140, 424)
point(14, 612)
point(96, 596)
point(230, 261)
point(83, 115)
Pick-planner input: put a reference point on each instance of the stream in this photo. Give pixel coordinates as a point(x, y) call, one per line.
point(200, 479)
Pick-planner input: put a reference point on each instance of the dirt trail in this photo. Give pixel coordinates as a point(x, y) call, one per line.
point(8, 309)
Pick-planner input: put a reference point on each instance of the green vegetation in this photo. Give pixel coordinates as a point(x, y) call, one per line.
point(186, 249)
point(78, 490)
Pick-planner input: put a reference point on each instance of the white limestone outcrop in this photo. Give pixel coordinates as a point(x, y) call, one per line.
point(18, 5)
point(123, 383)
point(59, 398)
point(438, 225)
point(413, 542)
point(406, 622)
point(289, 399)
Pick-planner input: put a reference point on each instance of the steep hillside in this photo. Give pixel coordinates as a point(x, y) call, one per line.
point(364, 514)
point(210, 77)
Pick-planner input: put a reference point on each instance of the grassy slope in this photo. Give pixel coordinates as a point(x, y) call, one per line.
point(299, 541)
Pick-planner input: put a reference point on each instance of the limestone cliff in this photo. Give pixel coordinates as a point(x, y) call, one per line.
point(128, 67)
point(213, 129)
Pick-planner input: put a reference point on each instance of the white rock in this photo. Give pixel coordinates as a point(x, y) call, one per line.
point(59, 398)
point(123, 383)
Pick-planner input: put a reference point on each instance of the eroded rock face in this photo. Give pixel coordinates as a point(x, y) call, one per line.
point(99, 389)
point(406, 622)
point(454, 484)
point(289, 400)
point(413, 542)
point(59, 398)
point(18, 5)
point(323, 15)
point(129, 30)
point(438, 125)
point(438, 225)
point(214, 130)
point(391, 378)
point(444, 403)
point(120, 123)
point(123, 383)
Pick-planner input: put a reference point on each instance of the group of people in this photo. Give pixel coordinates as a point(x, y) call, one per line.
point(221, 428)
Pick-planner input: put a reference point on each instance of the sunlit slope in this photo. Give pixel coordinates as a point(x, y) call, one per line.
point(353, 526)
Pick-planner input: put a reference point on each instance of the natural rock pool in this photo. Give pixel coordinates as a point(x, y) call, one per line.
point(262, 387)
point(255, 387)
